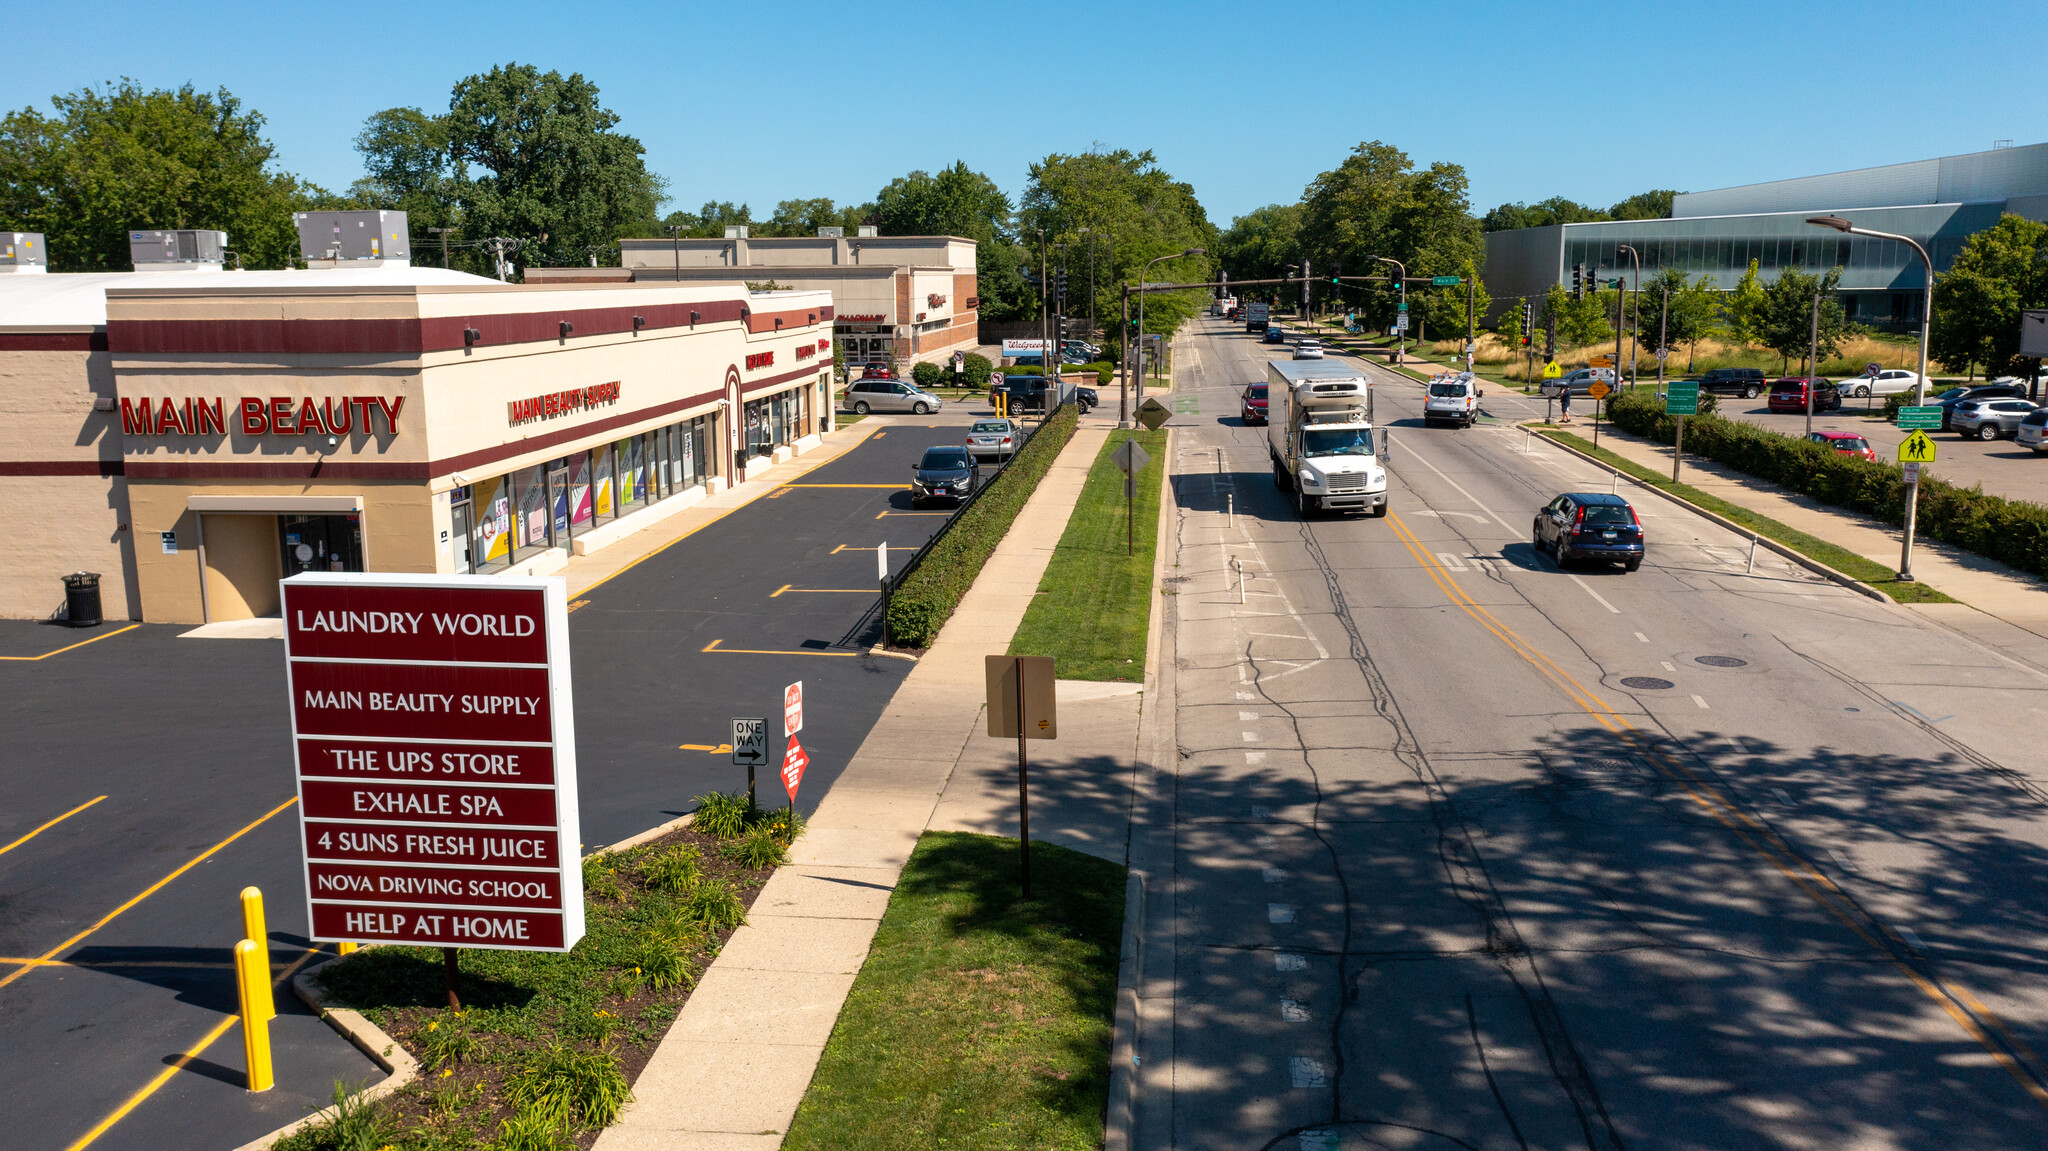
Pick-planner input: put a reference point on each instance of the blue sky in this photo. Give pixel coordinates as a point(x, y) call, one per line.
point(1245, 101)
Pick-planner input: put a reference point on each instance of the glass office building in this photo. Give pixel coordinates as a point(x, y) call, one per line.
point(1937, 202)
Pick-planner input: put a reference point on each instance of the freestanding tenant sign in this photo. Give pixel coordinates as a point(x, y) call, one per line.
point(436, 752)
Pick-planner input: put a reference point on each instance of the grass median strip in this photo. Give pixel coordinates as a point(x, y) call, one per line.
point(1841, 559)
point(1094, 604)
point(979, 1019)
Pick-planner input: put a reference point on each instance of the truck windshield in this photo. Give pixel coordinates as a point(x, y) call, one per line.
point(1336, 442)
point(1446, 389)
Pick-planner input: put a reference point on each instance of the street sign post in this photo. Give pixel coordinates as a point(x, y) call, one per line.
point(1598, 391)
point(1681, 399)
point(1022, 705)
point(792, 709)
point(433, 731)
point(1921, 419)
point(1130, 460)
point(750, 748)
point(1914, 450)
point(794, 760)
point(1553, 370)
point(1153, 414)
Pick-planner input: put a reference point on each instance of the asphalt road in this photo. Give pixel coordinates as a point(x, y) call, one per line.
point(1471, 852)
point(188, 742)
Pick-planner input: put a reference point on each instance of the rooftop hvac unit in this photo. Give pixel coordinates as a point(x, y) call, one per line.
point(735, 231)
point(22, 252)
point(354, 239)
point(831, 233)
point(181, 250)
point(870, 230)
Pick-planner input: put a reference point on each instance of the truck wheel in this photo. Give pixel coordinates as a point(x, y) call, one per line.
point(1303, 504)
point(1379, 510)
point(1279, 478)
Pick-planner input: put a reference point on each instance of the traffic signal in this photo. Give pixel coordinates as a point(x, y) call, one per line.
point(1336, 273)
point(1578, 280)
point(1059, 281)
point(1528, 321)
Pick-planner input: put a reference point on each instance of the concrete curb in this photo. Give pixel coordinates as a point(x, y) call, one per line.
point(400, 1067)
point(1809, 563)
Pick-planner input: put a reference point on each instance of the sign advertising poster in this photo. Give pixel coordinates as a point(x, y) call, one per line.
point(435, 744)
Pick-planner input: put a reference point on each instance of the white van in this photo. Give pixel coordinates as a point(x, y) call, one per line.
point(1452, 399)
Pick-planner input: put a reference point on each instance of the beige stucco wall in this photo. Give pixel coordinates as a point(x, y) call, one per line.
point(52, 525)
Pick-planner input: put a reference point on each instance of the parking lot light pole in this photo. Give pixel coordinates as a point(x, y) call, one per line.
point(1919, 386)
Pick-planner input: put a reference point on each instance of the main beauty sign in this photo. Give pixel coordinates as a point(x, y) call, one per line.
point(436, 749)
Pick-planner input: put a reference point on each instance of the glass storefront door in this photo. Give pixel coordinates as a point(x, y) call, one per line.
point(459, 533)
point(321, 543)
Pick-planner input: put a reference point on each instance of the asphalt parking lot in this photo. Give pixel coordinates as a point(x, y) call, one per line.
point(129, 900)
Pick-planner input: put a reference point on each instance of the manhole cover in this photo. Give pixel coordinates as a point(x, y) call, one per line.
point(1646, 683)
point(1720, 661)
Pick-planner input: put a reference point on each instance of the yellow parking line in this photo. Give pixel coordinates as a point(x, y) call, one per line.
point(886, 512)
point(62, 650)
point(892, 487)
point(823, 591)
point(713, 748)
point(713, 646)
point(49, 825)
point(152, 889)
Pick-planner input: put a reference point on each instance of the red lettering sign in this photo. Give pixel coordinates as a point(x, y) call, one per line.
point(272, 415)
point(551, 404)
point(853, 319)
point(760, 360)
point(805, 351)
point(437, 800)
point(794, 760)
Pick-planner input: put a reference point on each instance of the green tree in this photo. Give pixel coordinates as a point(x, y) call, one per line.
point(1264, 244)
point(1377, 203)
point(1509, 328)
point(553, 172)
point(1742, 309)
point(1443, 309)
point(124, 157)
point(1686, 309)
point(2000, 272)
point(1787, 322)
point(1542, 214)
point(1580, 322)
point(1651, 205)
point(959, 201)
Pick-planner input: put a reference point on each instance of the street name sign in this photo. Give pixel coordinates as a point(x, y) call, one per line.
point(1682, 400)
point(1153, 414)
point(1917, 448)
point(434, 736)
point(1445, 281)
point(792, 709)
point(749, 742)
point(1598, 391)
point(1921, 419)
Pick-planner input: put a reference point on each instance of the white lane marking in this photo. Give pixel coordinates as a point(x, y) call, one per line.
point(1906, 933)
point(1244, 675)
point(1467, 515)
point(1594, 594)
point(1289, 961)
point(1293, 1011)
point(1668, 666)
point(1844, 861)
point(1254, 758)
point(1306, 1072)
point(1783, 796)
point(1461, 491)
point(1278, 635)
point(1248, 716)
point(1702, 703)
point(1245, 695)
point(1249, 736)
point(1641, 636)
point(1450, 561)
point(1279, 913)
point(1274, 875)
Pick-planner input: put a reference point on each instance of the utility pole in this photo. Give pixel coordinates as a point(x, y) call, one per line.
point(1304, 290)
point(499, 245)
point(443, 233)
point(1813, 361)
point(1045, 358)
point(1471, 329)
point(1663, 349)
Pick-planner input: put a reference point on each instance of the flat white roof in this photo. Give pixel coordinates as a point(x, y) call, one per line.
point(79, 299)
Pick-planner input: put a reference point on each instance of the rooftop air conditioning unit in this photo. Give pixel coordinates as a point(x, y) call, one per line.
point(870, 230)
point(735, 231)
point(181, 250)
point(364, 239)
point(831, 233)
point(22, 253)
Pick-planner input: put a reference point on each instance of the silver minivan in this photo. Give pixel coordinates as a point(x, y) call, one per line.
point(883, 395)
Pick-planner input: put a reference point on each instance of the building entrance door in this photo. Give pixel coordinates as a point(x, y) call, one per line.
point(460, 529)
point(321, 543)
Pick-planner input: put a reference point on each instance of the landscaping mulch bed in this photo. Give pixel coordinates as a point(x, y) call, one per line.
point(546, 1045)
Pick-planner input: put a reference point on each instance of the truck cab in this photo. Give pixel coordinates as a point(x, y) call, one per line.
point(1319, 434)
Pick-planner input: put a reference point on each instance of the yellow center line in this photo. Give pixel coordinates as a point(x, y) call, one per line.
point(62, 650)
point(49, 825)
point(713, 748)
point(713, 646)
point(823, 591)
point(149, 891)
point(1953, 998)
point(177, 1065)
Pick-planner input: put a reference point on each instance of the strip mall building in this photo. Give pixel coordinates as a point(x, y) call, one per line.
point(194, 436)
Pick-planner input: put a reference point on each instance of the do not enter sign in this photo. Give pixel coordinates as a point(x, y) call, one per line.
point(792, 709)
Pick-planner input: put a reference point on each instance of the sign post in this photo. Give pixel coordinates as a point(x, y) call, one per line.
point(1022, 704)
point(1914, 450)
point(1682, 400)
point(1130, 460)
point(1599, 392)
point(434, 736)
point(749, 748)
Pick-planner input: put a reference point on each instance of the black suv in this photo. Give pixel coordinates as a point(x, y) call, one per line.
point(1027, 394)
point(1749, 383)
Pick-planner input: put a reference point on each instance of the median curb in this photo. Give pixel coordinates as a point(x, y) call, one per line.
point(1802, 559)
point(400, 1067)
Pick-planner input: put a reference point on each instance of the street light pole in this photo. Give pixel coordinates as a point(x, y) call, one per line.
point(1141, 304)
point(1813, 362)
point(1623, 317)
point(1919, 386)
point(1401, 347)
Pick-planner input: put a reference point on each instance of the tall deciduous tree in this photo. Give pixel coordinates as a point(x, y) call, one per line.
point(125, 157)
point(1377, 203)
point(959, 201)
point(1263, 244)
point(1787, 323)
point(1652, 205)
point(1742, 309)
point(1685, 309)
point(1580, 322)
point(2001, 272)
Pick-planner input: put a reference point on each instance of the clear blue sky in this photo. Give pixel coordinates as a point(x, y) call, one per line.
point(1245, 101)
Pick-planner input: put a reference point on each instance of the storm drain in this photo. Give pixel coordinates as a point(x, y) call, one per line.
point(1593, 768)
point(1720, 661)
point(1647, 683)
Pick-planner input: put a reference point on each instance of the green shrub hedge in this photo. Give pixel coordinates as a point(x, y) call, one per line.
point(1103, 371)
point(925, 600)
point(974, 369)
point(928, 375)
point(2010, 531)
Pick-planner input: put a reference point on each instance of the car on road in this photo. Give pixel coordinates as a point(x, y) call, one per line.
point(1948, 400)
point(1027, 394)
point(1845, 443)
point(944, 473)
point(2033, 431)
point(1590, 526)
point(1308, 349)
point(887, 395)
point(1253, 402)
point(1749, 383)
point(998, 438)
point(1085, 399)
point(1789, 394)
point(1452, 399)
point(1992, 419)
point(1234, 314)
point(877, 372)
point(1889, 382)
point(1580, 382)
point(1275, 334)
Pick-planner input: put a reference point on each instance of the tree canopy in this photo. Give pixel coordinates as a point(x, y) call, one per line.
point(2000, 272)
point(1262, 244)
point(1651, 205)
point(124, 157)
point(1377, 203)
point(1134, 211)
point(1787, 322)
point(959, 201)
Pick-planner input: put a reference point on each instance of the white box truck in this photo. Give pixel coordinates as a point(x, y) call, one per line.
point(1320, 436)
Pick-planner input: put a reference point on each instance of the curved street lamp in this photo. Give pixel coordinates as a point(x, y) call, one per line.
point(1123, 413)
point(1401, 349)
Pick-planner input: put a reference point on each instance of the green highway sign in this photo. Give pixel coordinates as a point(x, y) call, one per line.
point(1927, 419)
point(1682, 400)
point(1446, 281)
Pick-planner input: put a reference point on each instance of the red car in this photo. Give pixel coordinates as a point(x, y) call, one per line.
point(878, 372)
point(1789, 395)
point(1255, 403)
point(1846, 443)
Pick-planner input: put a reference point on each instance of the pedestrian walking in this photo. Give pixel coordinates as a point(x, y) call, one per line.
point(1564, 404)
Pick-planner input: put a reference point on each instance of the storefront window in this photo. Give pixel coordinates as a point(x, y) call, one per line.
point(493, 504)
point(579, 490)
point(603, 484)
point(630, 462)
point(530, 496)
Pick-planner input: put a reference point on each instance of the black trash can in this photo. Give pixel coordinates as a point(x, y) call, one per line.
point(82, 599)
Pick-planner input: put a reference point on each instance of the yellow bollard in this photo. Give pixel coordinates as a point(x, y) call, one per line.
point(252, 920)
point(252, 979)
point(345, 948)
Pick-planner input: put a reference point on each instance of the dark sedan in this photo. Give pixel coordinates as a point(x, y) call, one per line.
point(945, 473)
point(1590, 526)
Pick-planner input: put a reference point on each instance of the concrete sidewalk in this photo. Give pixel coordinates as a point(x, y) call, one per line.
point(736, 1064)
point(2001, 606)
